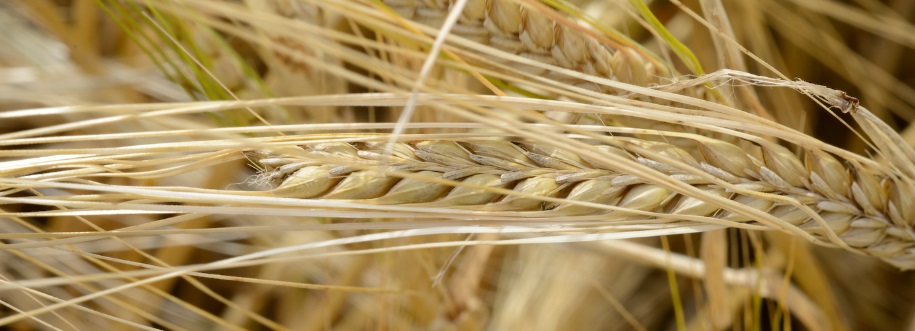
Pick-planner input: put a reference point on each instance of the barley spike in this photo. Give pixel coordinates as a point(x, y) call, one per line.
point(519, 29)
point(848, 198)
